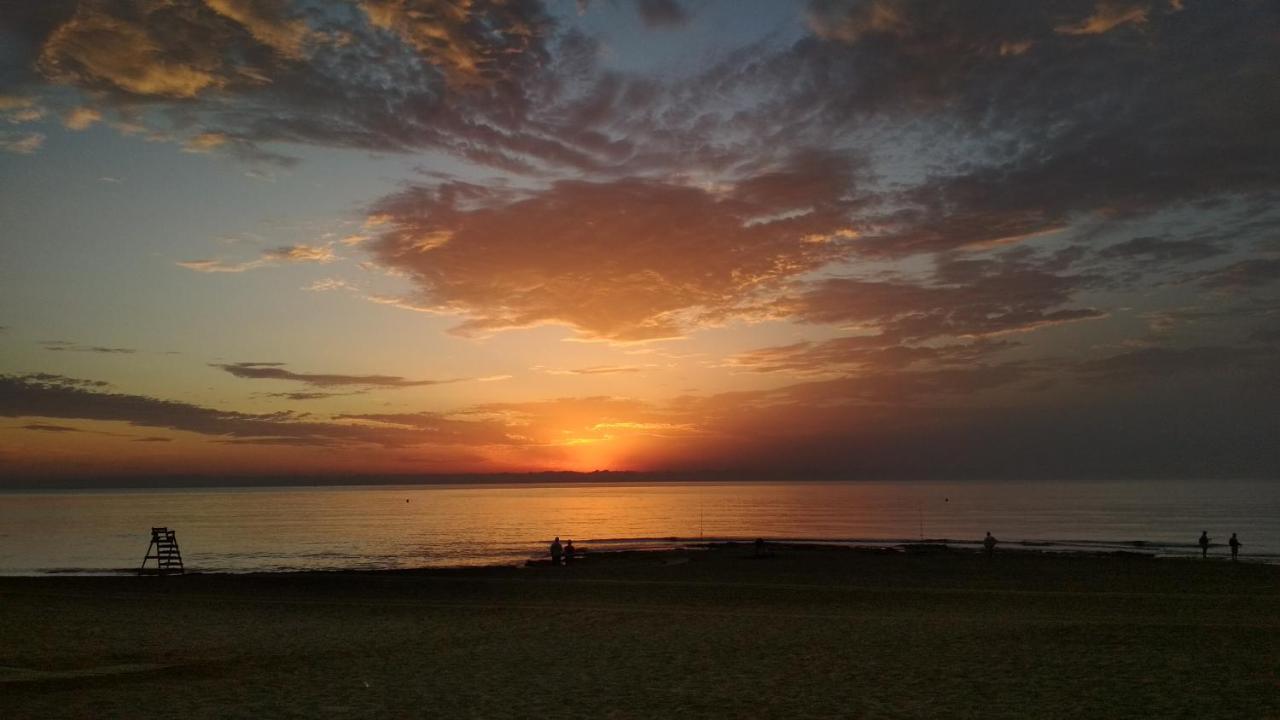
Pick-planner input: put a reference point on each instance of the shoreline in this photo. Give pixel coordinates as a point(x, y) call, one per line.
point(1137, 549)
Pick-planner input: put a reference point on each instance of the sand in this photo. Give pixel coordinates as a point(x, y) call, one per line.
point(816, 632)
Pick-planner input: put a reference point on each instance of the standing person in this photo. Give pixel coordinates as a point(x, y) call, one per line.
point(1235, 544)
point(568, 552)
point(556, 551)
point(1204, 543)
point(989, 544)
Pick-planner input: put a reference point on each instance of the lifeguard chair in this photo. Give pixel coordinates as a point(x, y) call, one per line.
point(164, 550)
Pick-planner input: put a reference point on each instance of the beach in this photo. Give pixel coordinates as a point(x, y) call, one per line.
point(807, 631)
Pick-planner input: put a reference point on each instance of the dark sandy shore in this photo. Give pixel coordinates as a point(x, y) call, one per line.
point(808, 632)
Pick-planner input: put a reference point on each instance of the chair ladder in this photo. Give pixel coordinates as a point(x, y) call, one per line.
point(164, 550)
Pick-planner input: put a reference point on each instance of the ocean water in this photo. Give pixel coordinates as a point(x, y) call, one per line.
point(256, 529)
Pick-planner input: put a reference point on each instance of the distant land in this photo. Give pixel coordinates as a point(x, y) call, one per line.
point(174, 481)
point(124, 482)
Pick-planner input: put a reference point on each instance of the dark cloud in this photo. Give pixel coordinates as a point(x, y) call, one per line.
point(1158, 249)
point(1257, 272)
point(1035, 127)
point(276, 371)
point(44, 396)
point(375, 74)
point(299, 396)
point(66, 346)
point(1157, 362)
point(52, 380)
point(662, 13)
point(862, 353)
point(438, 429)
point(153, 439)
point(43, 427)
point(967, 298)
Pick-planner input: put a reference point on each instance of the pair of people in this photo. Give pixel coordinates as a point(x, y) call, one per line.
point(559, 551)
point(1234, 543)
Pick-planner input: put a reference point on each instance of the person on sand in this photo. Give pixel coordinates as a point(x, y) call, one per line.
point(568, 552)
point(989, 544)
point(1204, 543)
point(1235, 544)
point(556, 551)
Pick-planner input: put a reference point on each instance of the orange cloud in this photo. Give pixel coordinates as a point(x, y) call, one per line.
point(17, 109)
point(466, 41)
point(1107, 15)
point(267, 23)
point(204, 142)
point(287, 253)
point(95, 47)
point(627, 260)
point(21, 143)
point(81, 118)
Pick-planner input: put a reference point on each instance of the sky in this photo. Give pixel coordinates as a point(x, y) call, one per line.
point(838, 238)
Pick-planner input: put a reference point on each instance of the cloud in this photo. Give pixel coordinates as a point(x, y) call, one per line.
point(439, 429)
point(66, 346)
point(275, 371)
point(51, 396)
point(61, 381)
point(467, 45)
point(260, 71)
point(601, 370)
point(81, 118)
point(153, 439)
point(44, 427)
point(662, 13)
point(268, 23)
point(21, 143)
point(205, 142)
point(1253, 273)
point(1108, 15)
point(861, 354)
point(1160, 249)
point(301, 253)
point(131, 52)
point(327, 284)
point(283, 254)
point(625, 260)
point(18, 109)
point(299, 396)
point(1023, 144)
point(218, 266)
point(967, 299)
point(1151, 364)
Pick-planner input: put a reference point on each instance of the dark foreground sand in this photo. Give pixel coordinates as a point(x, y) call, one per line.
point(814, 632)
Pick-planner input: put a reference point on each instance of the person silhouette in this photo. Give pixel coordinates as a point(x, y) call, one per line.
point(556, 551)
point(1235, 544)
point(568, 552)
point(989, 544)
point(1204, 543)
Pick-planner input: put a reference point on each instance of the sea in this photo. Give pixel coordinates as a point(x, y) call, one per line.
point(236, 530)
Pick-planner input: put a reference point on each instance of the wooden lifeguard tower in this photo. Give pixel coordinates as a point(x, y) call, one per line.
point(164, 550)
